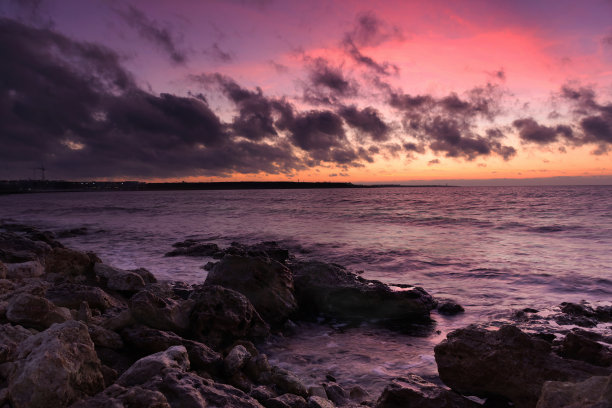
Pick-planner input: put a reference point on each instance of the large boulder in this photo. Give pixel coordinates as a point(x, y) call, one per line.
point(15, 248)
point(160, 311)
point(10, 337)
point(267, 284)
point(332, 291)
point(506, 363)
point(71, 295)
point(55, 368)
point(69, 262)
point(23, 270)
point(35, 311)
point(579, 347)
point(595, 392)
point(118, 279)
point(220, 316)
point(415, 392)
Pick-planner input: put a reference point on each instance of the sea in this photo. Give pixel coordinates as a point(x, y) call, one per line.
point(494, 250)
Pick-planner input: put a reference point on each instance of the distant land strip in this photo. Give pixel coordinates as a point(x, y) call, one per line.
point(42, 186)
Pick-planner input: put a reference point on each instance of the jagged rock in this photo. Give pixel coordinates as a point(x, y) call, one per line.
point(163, 313)
point(450, 308)
point(3, 270)
point(102, 337)
point(166, 372)
point(118, 279)
point(288, 382)
point(55, 368)
point(506, 363)
point(71, 295)
point(15, 248)
point(576, 314)
point(258, 369)
point(358, 394)
point(10, 337)
point(335, 393)
point(117, 396)
point(220, 316)
point(262, 393)
point(69, 263)
point(286, 401)
point(236, 359)
point(193, 248)
point(595, 392)
point(148, 341)
point(35, 311)
point(30, 269)
point(415, 392)
point(267, 284)
point(319, 402)
point(118, 320)
point(579, 347)
point(332, 291)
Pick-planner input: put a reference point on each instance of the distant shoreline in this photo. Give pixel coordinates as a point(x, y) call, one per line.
point(48, 186)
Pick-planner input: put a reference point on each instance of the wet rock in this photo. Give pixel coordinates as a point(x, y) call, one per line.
point(450, 308)
point(10, 337)
point(117, 396)
point(163, 313)
point(73, 232)
point(579, 347)
point(69, 263)
point(319, 402)
point(71, 295)
point(267, 284)
point(286, 401)
point(209, 266)
point(358, 394)
point(595, 392)
point(194, 248)
point(236, 359)
point(220, 316)
point(335, 393)
point(288, 382)
point(15, 248)
point(148, 341)
point(332, 291)
point(414, 391)
point(604, 313)
point(576, 314)
point(145, 274)
point(102, 337)
point(55, 368)
point(506, 363)
point(318, 391)
point(267, 249)
point(118, 279)
point(35, 311)
point(30, 269)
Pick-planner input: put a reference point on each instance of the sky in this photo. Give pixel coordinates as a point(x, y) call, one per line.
point(359, 91)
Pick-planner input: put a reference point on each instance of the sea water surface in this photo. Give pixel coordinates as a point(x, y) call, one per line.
point(492, 249)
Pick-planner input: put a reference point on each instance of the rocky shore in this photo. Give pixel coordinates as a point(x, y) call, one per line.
point(77, 332)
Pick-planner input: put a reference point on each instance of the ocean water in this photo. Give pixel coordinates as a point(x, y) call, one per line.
point(492, 249)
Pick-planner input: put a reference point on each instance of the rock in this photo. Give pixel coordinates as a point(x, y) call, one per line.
point(192, 248)
point(236, 359)
point(73, 232)
point(358, 394)
point(335, 393)
point(10, 337)
point(55, 368)
point(15, 248)
point(288, 382)
point(102, 337)
point(166, 372)
point(267, 284)
point(145, 274)
point(148, 341)
point(286, 401)
point(576, 314)
point(332, 291)
point(71, 295)
point(118, 279)
point(604, 313)
point(69, 263)
point(258, 369)
point(506, 363)
point(220, 316)
point(163, 313)
point(415, 392)
point(209, 266)
point(117, 396)
point(35, 311)
point(319, 402)
point(579, 347)
point(262, 393)
point(595, 392)
point(118, 321)
point(317, 391)
point(3, 270)
point(450, 308)
point(30, 269)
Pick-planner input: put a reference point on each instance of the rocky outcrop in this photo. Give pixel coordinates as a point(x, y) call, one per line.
point(118, 279)
point(71, 295)
point(70, 263)
point(10, 337)
point(55, 368)
point(579, 347)
point(506, 363)
point(23, 270)
point(35, 311)
point(332, 291)
point(15, 248)
point(449, 307)
point(160, 312)
point(266, 283)
point(415, 392)
point(193, 248)
point(220, 316)
point(595, 392)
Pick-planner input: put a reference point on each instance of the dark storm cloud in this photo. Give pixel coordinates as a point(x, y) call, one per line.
point(531, 131)
point(368, 121)
point(71, 106)
point(324, 75)
point(154, 32)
